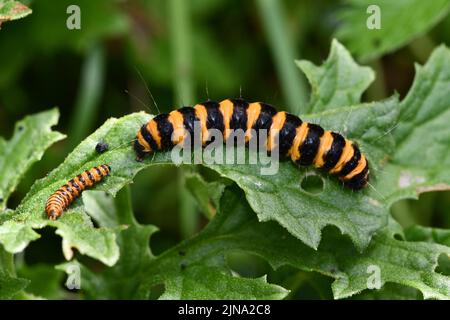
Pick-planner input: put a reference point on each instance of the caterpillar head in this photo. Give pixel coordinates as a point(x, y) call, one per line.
point(52, 215)
point(139, 150)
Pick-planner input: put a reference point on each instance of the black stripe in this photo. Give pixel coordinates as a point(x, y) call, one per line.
point(54, 201)
point(214, 120)
point(106, 168)
point(334, 154)
point(287, 133)
point(359, 181)
point(352, 163)
point(65, 197)
point(308, 149)
point(81, 179)
point(139, 150)
point(239, 117)
point(75, 185)
point(189, 119)
point(99, 172)
point(90, 176)
point(264, 120)
point(57, 199)
point(165, 130)
point(68, 188)
point(148, 138)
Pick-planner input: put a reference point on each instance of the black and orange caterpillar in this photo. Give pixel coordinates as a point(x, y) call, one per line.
point(305, 143)
point(65, 195)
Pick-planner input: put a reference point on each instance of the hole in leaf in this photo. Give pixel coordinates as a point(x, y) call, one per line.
point(443, 266)
point(247, 265)
point(157, 290)
point(429, 210)
point(393, 291)
point(47, 249)
point(303, 285)
point(161, 241)
point(398, 237)
point(312, 183)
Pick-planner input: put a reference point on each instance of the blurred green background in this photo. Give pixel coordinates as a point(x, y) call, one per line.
point(182, 52)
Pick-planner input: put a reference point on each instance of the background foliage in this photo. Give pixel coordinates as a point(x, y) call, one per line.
point(284, 236)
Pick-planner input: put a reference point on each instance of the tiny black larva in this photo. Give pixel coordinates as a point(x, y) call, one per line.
point(101, 147)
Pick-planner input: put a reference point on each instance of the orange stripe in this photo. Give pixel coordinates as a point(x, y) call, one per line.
point(68, 194)
point(95, 174)
point(346, 155)
point(325, 144)
point(253, 112)
point(176, 119)
point(78, 182)
point(152, 127)
point(226, 108)
point(143, 143)
point(277, 123)
point(202, 115)
point(86, 179)
point(103, 171)
point(360, 167)
point(300, 135)
point(75, 190)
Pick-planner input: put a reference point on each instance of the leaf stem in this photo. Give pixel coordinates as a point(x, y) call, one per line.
point(7, 262)
point(293, 84)
point(91, 87)
point(181, 51)
point(183, 95)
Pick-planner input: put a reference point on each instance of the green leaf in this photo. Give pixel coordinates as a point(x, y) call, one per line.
point(199, 282)
point(16, 236)
point(401, 262)
point(235, 228)
point(75, 227)
point(32, 136)
point(423, 122)
point(120, 281)
point(10, 286)
point(207, 194)
point(338, 82)
point(192, 270)
point(44, 280)
point(390, 291)
point(399, 24)
point(12, 10)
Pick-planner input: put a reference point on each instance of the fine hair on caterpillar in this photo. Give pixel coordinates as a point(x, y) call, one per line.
point(304, 143)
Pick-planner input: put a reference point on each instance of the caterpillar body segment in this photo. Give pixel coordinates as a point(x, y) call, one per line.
point(65, 195)
point(305, 143)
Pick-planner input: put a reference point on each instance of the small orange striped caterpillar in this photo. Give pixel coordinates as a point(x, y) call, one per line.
point(65, 195)
point(305, 143)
